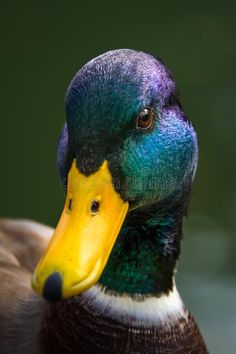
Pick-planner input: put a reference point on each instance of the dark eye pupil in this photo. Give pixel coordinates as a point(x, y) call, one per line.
point(145, 117)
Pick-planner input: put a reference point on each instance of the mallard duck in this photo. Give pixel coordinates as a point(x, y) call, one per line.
point(127, 157)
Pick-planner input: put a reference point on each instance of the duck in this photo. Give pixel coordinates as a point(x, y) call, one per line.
point(104, 280)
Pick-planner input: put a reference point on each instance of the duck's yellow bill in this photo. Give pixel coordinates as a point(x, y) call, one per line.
point(85, 235)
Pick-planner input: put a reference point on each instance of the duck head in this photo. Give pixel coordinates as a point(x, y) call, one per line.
point(127, 148)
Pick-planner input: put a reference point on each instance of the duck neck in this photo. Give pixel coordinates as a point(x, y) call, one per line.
point(105, 321)
point(145, 254)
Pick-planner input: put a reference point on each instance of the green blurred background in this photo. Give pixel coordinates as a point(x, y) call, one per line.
point(43, 44)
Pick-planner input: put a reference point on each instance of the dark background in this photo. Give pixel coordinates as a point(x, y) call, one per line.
point(43, 44)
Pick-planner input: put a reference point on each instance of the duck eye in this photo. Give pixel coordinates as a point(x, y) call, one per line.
point(145, 119)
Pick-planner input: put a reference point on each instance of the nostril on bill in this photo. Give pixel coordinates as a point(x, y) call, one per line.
point(70, 204)
point(95, 205)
